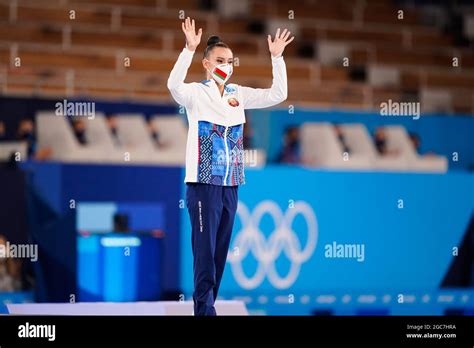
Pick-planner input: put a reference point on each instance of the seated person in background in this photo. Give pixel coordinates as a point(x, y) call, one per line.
point(26, 132)
point(121, 223)
point(290, 153)
point(3, 131)
point(155, 134)
point(112, 124)
point(79, 129)
point(380, 140)
point(152, 130)
point(10, 272)
point(416, 141)
point(341, 138)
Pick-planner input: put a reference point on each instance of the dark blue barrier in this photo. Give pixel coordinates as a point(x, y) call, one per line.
point(55, 189)
point(13, 223)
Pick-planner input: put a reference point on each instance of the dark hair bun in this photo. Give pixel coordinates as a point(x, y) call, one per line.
point(213, 40)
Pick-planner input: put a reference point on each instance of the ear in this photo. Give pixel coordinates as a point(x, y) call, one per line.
point(204, 63)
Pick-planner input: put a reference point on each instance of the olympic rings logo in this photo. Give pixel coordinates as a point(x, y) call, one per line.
point(283, 239)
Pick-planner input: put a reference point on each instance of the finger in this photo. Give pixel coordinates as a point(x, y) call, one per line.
point(187, 23)
point(277, 35)
point(269, 39)
point(182, 27)
point(283, 33)
point(199, 33)
point(292, 38)
point(192, 26)
point(287, 36)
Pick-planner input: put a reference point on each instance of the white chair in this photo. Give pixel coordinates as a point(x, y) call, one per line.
point(435, 100)
point(395, 160)
point(56, 133)
point(18, 148)
point(398, 138)
point(332, 53)
point(99, 136)
point(383, 76)
point(321, 147)
point(135, 138)
point(362, 154)
point(172, 134)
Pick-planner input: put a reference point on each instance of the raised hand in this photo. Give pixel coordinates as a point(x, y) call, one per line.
point(189, 30)
point(278, 45)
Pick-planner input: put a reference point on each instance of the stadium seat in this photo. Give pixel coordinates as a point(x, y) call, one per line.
point(320, 147)
point(397, 138)
point(135, 137)
point(360, 144)
point(172, 133)
point(8, 148)
point(332, 52)
point(56, 133)
point(383, 76)
point(100, 137)
point(435, 100)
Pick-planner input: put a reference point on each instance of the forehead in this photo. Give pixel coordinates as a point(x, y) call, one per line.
point(221, 52)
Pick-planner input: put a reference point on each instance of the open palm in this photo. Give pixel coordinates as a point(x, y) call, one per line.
point(192, 39)
point(278, 45)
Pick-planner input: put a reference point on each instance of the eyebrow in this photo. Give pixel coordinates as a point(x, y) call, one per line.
point(224, 58)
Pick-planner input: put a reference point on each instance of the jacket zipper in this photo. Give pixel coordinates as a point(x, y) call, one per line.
point(227, 160)
point(226, 156)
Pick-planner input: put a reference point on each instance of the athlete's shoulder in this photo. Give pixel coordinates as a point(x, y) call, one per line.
point(204, 83)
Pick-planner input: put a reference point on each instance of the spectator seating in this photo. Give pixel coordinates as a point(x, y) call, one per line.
point(321, 148)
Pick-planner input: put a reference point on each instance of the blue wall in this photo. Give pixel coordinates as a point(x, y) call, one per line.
point(405, 249)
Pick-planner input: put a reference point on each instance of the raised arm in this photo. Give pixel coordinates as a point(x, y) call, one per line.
point(256, 98)
point(182, 92)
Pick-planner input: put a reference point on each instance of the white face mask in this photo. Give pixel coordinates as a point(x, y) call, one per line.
point(221, 73)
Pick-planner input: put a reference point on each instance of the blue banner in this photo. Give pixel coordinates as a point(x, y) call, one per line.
point(307, 231)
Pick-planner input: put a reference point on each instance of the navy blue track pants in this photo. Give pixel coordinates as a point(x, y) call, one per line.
point(211, 210)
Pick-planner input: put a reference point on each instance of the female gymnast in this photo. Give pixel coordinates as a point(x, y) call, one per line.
point(214, 150)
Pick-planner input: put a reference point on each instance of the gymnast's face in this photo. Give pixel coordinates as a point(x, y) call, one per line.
point(218, 55)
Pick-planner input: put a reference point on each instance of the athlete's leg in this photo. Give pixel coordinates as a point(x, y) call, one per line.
point(224, 233)
point(204, 204)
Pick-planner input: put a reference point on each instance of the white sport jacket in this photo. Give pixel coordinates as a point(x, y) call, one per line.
point(214, 150)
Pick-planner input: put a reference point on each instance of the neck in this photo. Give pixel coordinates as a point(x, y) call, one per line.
point(221, 89)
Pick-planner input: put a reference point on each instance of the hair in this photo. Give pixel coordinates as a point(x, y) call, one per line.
point(213, 42)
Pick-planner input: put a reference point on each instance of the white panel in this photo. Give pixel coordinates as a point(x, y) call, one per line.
point(125, 308)
point(332, 53)
point(383, 76)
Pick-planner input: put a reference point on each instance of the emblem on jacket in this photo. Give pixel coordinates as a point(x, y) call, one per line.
point(233, 102)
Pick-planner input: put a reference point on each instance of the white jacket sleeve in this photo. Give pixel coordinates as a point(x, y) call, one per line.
point(181, 92)
point(256, 98)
